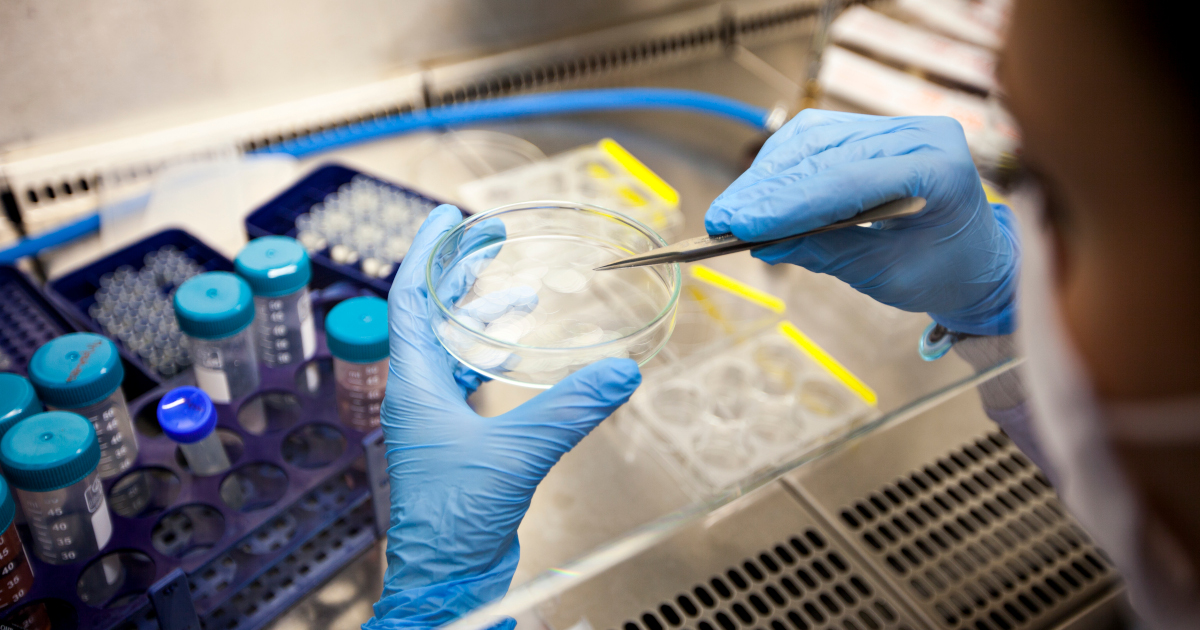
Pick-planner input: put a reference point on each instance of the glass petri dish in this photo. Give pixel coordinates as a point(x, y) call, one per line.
point(514, 295)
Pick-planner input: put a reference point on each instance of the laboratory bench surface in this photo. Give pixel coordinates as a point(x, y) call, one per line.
point(605, 487)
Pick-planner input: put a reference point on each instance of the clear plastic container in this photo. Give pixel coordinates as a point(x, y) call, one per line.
point(356, 331)
point(720, 416)
point(515, 296)
point(215, 310)
point(82, 373)
point(278, 271)
point(604, 174)
point(16, 576)
point(442, 163)
point(187, 416)
point(50, 461)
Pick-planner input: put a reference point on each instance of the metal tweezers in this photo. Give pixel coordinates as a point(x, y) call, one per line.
point(702, 247)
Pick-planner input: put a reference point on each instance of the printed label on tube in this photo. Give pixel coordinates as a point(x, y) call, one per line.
point(213, 382)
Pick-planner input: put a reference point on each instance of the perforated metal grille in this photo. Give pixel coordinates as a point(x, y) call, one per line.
point(799, 583)
point(587, 66)
point(754, 24)
point(980, 540)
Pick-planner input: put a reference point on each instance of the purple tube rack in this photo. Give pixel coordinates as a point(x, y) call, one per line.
point(263, 560)
point(29, 318)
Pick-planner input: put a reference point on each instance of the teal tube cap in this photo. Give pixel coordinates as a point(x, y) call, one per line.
point(17, 400)
point(274, 266)
point(8, 507)
point(76, 370)
point(356, 330)
point(49, 451)
point(214, 305)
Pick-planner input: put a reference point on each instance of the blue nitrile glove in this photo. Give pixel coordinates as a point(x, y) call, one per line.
point(956, 260)
point(461, 483)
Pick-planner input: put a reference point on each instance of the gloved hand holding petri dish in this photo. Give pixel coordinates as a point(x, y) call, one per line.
point(514, 294)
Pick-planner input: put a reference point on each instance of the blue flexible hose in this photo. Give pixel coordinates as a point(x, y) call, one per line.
point(548, 104)
point(61, 236)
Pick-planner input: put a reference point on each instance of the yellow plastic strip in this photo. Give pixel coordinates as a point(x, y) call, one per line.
point(993, 195)
point(831, 364)
point(718, 279)
point(640, 171)
point(709, 307)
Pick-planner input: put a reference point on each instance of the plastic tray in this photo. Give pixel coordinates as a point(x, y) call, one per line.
point(725, 330)
point(263, 560)
point(278, 216)
point(604, 174)
point(788, 404)
point(28, 319)
point(76, 291)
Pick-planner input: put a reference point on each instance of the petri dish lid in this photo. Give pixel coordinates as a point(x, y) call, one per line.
point(213, 305)
point(443, 163)
point(17, 401)
point(274, 266)
point(49, 451)
point(357, 330)
point(76, 370)
point(186, 414)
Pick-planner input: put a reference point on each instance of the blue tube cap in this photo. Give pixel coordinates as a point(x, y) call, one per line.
point(356, 330)
point(49, 451)
point(76, 370)
point(8, 507)
point(214, 305)
point(187, 414)
point(17, 401)
point(274, 266)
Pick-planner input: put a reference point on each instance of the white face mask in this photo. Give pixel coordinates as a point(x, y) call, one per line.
point(1066, 418)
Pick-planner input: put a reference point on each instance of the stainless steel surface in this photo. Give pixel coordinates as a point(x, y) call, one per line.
point(937, 515)
point(762, 561)
point(959, 521)
point(705, 247)
point(79, 66)
point(606, 486)
point(71, 144)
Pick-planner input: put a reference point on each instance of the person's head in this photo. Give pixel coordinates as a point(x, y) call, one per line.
point(1106, 96)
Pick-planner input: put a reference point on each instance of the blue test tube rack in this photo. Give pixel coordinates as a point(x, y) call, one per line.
point(278, 216)
point(240, 568)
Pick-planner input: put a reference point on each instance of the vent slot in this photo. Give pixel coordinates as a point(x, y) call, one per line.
point(980, 540)
point(796, 584)
point(264, 141)
point(70, 187)
point(760, 23)
point(583, 67)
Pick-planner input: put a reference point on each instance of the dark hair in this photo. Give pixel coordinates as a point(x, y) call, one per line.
point(1170, 37)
